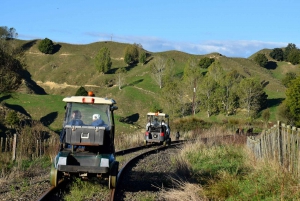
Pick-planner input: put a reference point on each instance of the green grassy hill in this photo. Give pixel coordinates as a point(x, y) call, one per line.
point(72, 66)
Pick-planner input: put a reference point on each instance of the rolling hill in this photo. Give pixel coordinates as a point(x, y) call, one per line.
point(71, 66)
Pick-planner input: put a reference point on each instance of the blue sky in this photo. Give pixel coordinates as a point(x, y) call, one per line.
point(234, 28)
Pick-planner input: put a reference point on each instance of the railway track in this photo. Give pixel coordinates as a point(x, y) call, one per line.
point(135, 154)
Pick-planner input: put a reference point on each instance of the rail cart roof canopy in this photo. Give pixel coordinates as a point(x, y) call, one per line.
point(89, 99)
point(157, 114)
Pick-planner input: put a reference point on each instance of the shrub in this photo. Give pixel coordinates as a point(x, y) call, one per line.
point(81, 92)
point(189, 124)
point(46, 46)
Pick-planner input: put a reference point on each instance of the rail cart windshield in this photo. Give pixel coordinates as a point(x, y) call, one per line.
point(79, 114)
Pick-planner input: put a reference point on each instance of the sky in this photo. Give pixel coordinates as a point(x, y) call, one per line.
point(233, 28)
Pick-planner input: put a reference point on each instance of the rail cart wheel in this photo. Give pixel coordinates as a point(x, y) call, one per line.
point(169, 141)
point(165, 143)
point(54, 176)
point(112, 180)
point(145, 142)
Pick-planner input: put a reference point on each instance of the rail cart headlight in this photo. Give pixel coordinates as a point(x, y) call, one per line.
point(104, 162)
point(62, 161)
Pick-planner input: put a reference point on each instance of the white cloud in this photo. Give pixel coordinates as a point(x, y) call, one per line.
point(230, 48)
point(240, 48)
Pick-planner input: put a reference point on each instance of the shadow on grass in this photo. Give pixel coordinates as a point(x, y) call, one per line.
point(136, 82)
point(130, 119)
point(17, 108)
point(133, 83)
point(49, 118)
point(274, 102)
point(32, 85)
point(56, 48)
point(5, 97)
point(28, 45)
point(271, 65)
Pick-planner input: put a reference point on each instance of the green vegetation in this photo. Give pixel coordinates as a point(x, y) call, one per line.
point(277, 54)
point(206, 62)
point(11, 66)
point(131, 54)
point(81, 92)
point(46, 46)
point(228, 171)
point(261, 60)
point(170, 86)
point(85, 190)
point(292, 100)
point(102, 60)
point(8, 33)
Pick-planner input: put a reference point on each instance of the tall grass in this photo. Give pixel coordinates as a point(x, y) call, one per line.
point(227, 170)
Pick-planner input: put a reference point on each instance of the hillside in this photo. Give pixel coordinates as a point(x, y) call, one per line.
point(71, 66)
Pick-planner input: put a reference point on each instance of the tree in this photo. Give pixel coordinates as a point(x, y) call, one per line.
point(46, 46)
point(251, 95)
point(6, 33)
point(131, 54)
point(103, 61)
point(206, 62)
point(288, 49)
point(81, 92)
point(294, 56)
point(120, 76)
point(158, 68)
point(293, 99)
point(207, 92)
point(172, 97)
point(191, 78)
point(277, 54)
point(284, 114)
point(11, 67)
point(216, 71)
point(143, 57)
point(261, 59)
point(289, 76)
point(228, 96)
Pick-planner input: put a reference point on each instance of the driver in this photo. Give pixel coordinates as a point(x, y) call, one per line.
point(76, 118)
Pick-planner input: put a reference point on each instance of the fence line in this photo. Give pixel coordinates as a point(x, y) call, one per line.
point(279, 143)
point(20, 147)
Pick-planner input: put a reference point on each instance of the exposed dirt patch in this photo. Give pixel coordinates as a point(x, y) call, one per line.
point(53, 85)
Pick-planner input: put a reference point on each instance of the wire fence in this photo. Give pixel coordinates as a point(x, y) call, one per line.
point(279, 143)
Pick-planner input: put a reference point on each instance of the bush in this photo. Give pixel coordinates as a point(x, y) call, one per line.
point(277, 54)
point(189, 124)
point(261, 60)
point(81, 92)
point(12, 118)
point(46, 46)
point(206, 62)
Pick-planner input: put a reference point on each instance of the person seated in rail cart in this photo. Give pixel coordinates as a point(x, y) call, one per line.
point(167, 127)
point(97, 121)
point(76, 119)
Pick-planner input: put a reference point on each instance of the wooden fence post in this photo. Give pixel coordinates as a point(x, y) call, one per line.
point(37, 148)
point(14, 147)
point(6, 143)
point(1, 145)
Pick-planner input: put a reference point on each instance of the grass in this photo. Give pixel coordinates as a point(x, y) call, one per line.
point(74, 65)
point(47, 107)
point(226, 170)
point(83, 190)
